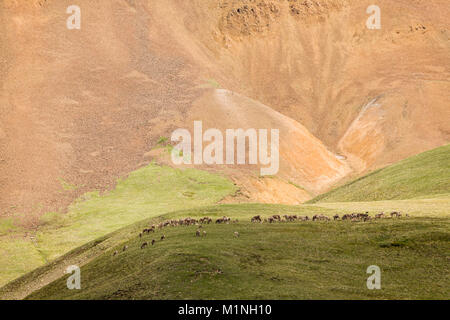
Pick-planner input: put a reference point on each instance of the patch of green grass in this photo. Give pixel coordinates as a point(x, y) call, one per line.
point(162, 141)
point(298, 187)
point(18, 256)
point(210, 83)
point(67, 186)
point(147, 192)
point(301, 260)
point(7, 225)
point(164, 145)
point(422, 175)
point(53, 219)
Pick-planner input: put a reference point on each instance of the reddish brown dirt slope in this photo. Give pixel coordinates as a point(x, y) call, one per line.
point(83, 106)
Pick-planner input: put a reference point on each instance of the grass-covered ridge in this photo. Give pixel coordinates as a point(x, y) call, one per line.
point(148, 192)
point(423, 175)
point(431, 210)
point(300, 260)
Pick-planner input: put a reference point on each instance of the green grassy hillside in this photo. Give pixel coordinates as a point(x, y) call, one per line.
point(289, 260)
point(298, 260)
point(422, 175)
point(148, 192)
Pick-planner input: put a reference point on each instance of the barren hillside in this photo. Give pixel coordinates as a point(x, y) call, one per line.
point(80, 108)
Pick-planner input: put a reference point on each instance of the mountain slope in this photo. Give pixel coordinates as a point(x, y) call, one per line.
point(300, 260)
point(86, 105)
point(429, 211)
point(373, 96)
point(147, 192)
point(422, 175)
point(304, 161)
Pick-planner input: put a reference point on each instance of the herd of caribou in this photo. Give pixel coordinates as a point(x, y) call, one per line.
point(320, 217)
point(180, 222)
point(355, 217)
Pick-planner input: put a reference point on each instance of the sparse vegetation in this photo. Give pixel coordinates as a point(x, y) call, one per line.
point(67, 186)
point(162, 141)
point(210, 83)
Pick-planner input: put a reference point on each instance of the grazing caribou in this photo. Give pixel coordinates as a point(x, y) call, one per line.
point(256, 219)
